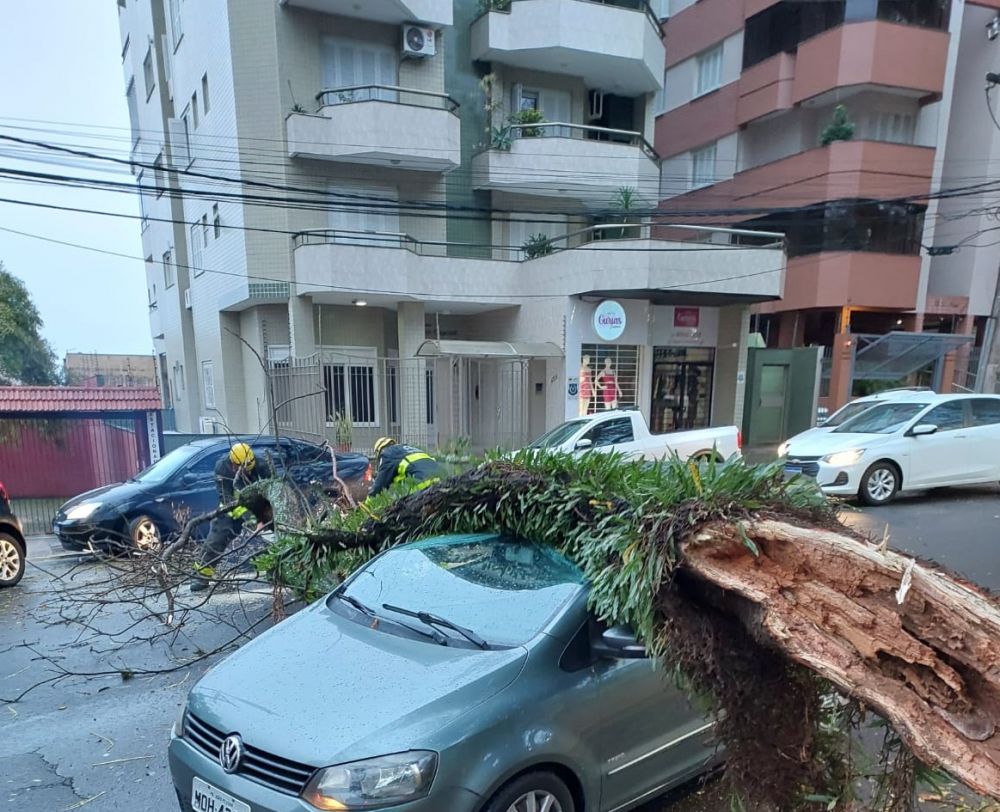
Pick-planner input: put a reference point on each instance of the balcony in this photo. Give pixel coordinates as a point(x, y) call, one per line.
point(574, 161)
point(614, 46)
point(379, 125)
point(432, 12)
point(837, 279)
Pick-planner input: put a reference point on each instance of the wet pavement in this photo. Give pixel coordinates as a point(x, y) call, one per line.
point(98, 742)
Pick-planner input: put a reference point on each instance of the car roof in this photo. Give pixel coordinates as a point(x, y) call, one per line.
point(251, 439)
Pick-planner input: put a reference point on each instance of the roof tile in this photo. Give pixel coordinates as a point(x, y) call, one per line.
point(64, 399)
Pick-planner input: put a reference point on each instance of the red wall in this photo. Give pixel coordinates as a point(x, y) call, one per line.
point(64, 457)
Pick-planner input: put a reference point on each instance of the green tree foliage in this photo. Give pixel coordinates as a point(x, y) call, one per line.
point(25, 357)
point(840, 128)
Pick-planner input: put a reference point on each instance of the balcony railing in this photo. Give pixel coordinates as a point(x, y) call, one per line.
point(332, 97)
point(581, 132)
point(633, 5)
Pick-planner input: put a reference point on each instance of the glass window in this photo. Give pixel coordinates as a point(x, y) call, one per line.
point(947, 417)
point(985, 411)
point(608, 377)
point(885, 419)
point(194, 109)
point(133, 111)
point(703, 166)
point(216, 221)
point(351, 390)
point(845, 413)
point(169, 272)
point(194, 243)
point(143, 203)
point(172, 463)
point(208, 376)
point(158, 175)
point(559, 435)
point(611, 432)
point(176, 29)
point(185, 147)
point(148, 72)
point(205, 106)
point(709, 75)
point(471, 581)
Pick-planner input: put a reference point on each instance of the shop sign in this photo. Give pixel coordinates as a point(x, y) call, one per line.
point(687, 317)
point(609, 320)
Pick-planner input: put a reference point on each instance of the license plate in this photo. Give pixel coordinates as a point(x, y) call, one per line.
point(206, 798)
point(792, 470)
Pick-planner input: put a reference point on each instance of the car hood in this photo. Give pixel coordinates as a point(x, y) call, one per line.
point(818, 445)
point(321, 689)
point(115, 494)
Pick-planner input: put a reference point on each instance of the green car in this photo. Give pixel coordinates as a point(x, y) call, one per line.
point(457, 674)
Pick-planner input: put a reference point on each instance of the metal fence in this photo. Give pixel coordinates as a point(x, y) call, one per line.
point(46, 460)
point(353, 399)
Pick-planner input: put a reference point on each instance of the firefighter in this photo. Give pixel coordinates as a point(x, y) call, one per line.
point(234, 470)
point(398, 462)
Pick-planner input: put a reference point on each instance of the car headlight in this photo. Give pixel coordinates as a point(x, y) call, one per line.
point(180, 721)
point(783, 448)
point(374, 782)
point(844, 457)
point(82, 511)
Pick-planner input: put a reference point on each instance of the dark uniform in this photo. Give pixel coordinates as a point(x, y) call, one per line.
point(398, 462)
point(225, 528)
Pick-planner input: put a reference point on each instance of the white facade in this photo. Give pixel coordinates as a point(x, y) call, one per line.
point(362, 227)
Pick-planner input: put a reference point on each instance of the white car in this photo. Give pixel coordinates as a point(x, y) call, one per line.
point(853, 409)
point(921, 442)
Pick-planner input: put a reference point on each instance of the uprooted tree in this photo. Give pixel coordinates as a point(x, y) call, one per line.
point(750, 589)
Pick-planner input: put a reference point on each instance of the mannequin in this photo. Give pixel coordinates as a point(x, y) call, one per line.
point(607, 383)
point(586, 387)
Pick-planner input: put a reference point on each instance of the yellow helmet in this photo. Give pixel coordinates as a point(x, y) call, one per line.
point(382, 444)
point(242, 455)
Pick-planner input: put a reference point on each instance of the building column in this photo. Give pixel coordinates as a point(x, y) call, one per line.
point(841, 371)
point(412, 374)
point(301, 325)
point(955, 365)
point(731, 365)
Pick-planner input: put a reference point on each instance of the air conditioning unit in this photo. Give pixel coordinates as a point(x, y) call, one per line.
point(596, 100)
point(418, 41)
point(187, 298)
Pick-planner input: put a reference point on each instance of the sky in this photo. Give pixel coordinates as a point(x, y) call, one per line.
point(62, 73)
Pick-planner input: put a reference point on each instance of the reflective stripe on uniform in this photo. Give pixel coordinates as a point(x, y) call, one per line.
point(406, 462)
point(238, 512)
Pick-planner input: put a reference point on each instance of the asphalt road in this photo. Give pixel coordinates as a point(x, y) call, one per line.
point(98, 742)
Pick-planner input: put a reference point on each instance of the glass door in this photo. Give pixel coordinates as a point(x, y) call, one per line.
point(682, 388)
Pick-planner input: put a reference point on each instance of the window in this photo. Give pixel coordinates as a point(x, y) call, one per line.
point(365, 225)
point(897, 128)
point(128, 41)
point(528, 100)
point(133, 111)
point(185, 147)
point(169, 271)
point(947, 417)
point(204, 231)
point(352, 63)
point(208, 379)
point(194, 109)
point(176, 29)
point(178, 377)
point(703, 166)
point(985, 411)
point(609, 377)
point(194, 243)
point(709, 71)
point(349, 381)
point(216, 221)
point(159, 178)
point(143, 203)
point(151, 291)
point(148, 73)
point(429, 383)
point(204, 94)
point(610, 432)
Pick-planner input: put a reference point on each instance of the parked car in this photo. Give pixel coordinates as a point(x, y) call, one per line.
point(626, 432)
point(920, 442)
point(13, 549)
point(460, 673)
point(158, 501)
point(854, 408)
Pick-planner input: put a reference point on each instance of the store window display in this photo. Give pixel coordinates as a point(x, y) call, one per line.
point(609, 377)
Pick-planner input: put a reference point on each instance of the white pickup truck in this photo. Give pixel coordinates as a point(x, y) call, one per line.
point(627, 433)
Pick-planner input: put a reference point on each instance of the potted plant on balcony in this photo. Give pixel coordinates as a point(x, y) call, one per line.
point(537, 245)
point(840, 128)
point(521, 117)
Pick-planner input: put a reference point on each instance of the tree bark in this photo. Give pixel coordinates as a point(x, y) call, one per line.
point(917, 644)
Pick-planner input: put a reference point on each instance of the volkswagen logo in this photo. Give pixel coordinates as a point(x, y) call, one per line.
point(231, 753)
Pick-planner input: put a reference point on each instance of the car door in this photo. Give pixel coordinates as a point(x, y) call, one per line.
point(651, 737)
point(984, 439)
point(940, 458)
point(192, 491)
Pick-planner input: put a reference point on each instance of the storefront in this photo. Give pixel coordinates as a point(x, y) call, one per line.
point(633, 354)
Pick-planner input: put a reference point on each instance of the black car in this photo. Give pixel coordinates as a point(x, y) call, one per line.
point(13, 550)
point(157, 502)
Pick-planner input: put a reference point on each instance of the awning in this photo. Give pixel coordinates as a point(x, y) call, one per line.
point(489, 349)
point(897, 354)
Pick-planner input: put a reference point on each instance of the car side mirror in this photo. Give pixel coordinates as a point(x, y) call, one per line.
point(189, 478)
point(583, 444)
point(922, 429)
point(619, 643)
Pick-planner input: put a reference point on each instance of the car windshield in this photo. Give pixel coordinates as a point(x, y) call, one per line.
point(884, 419)
point(559, 435)
point(845, 413)
point(503, 589)
point(165, 468)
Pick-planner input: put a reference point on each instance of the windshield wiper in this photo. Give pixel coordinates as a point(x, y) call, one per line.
point(367, 611)
point(436, 620)
point(364, 608)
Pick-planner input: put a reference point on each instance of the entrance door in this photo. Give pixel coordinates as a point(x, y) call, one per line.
point(769, 417)
point(682, 388)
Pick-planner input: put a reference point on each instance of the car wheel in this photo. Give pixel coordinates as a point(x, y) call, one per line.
point(12, 558)
point(145, 534)
point(533, 792)
point(879, 484)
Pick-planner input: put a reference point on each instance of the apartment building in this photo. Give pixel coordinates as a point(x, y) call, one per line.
point(885, 275)
point(436, 227)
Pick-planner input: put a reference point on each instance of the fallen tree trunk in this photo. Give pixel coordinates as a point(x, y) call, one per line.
point(913, 642)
